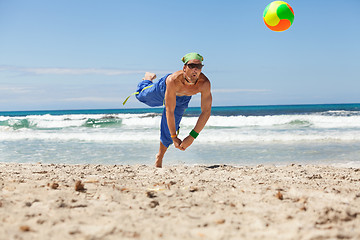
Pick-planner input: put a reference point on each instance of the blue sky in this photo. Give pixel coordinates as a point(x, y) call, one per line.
point(91, 54)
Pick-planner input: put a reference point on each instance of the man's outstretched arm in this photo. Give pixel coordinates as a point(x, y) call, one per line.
point(170, 104)
point(206, 102)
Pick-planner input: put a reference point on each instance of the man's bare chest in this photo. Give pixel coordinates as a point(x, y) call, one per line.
point(187, 90)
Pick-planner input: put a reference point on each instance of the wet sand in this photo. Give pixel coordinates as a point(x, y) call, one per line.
point(55, 201)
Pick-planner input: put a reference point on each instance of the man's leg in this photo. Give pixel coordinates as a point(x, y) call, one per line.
point(160, 155)
point(165, 139)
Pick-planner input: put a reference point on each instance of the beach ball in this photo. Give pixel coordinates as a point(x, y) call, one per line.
point(278, 16)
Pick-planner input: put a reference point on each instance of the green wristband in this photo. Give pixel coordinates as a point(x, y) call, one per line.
point(194, 134)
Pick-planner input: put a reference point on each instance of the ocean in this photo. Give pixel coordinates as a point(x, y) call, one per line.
point(237, 135)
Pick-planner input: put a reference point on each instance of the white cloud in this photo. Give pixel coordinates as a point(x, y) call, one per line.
point(230, 90)
point(91, 99)
point(16, 90)
point(78, 71)
point(70, 71)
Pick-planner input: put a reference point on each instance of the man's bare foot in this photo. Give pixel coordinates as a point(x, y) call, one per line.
point(149, 76)
point(158, 162)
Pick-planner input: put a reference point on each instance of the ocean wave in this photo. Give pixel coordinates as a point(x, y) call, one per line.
point(153, 121)
point(103, 122)
point(316, 121)
point(231, 136)
point(340, 113)
point(63, 121)
point(208, 135)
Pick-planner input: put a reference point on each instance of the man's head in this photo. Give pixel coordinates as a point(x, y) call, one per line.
point(192, 56)
point(192, 65)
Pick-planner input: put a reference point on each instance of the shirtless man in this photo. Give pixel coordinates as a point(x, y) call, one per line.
point(175, 91)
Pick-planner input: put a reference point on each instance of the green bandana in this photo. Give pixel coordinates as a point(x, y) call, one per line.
point(192, 56)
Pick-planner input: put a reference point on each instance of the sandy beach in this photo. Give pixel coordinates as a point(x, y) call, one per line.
point(41, 201)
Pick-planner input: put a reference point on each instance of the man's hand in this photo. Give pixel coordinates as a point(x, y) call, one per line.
point(187, 142)
point(177, 143)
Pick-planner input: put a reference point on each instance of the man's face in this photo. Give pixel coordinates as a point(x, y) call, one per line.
point(192, 69)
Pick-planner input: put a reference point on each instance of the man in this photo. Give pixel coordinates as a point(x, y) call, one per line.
point(175, 91)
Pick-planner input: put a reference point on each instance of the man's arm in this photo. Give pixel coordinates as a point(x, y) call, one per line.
point(206, 102)
point(170, 104)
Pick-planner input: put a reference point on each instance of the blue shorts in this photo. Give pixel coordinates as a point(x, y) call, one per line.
point(153, 95)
